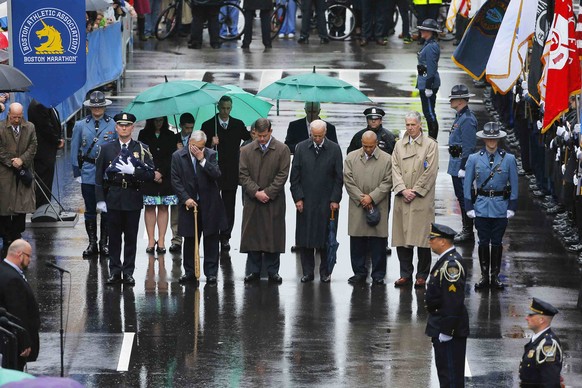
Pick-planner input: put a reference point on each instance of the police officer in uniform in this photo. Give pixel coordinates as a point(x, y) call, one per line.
point(386, 139)
point(448, 321)
point(122, 166)
point(428, 80)
point(491, 178)
point(541, 362)
point(89, 134)
point(462, 141)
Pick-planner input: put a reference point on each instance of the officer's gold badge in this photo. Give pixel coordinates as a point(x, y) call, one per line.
point(531, 353)
point(136, 155)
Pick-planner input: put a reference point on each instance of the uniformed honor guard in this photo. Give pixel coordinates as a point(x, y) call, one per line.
point(386, 139)
point(122, 167)
point(541, 363)
point(490, 190)
point(462, 141)
point(89, 134)
point(428, 80)
point(448, 321)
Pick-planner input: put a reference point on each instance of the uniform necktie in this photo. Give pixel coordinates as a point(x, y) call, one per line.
point(124, 145)
point(96, 124)
point(16, 131)
point(491, 160)
point(224, 125)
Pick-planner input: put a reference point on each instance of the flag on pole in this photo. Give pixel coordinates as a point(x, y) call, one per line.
point(472, 53)
point(544, 16)
point(509, 52)
point(579, 34)
point(562, 64)
point(460, 7)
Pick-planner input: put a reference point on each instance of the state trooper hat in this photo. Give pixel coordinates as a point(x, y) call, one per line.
point(540, 307)
point(374, 113)
point(124, 118)
point(460, 91)
point(429, 25)
point(442, 231)
point(491, 131)
point(97, 100)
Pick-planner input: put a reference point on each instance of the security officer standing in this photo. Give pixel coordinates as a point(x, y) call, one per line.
point(462, 141)
point(542, 358)
point(89, 134)
point(491, 178)
point(386, 139)
point(428, 81)
point(122, 167)
point(448, 322)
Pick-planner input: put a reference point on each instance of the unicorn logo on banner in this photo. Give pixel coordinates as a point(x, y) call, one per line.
point(54, 42)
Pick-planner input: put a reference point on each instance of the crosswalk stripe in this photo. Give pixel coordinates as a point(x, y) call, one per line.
point(125, 353)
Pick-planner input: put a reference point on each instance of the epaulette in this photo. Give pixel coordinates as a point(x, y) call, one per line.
point(88, 118)
point(107, 118)
point(502, 152)
point(481, 152)
point(548, 350)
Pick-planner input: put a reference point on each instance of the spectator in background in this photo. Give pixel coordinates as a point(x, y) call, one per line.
point(288, 28)
point(142, 8)
point(374, 13)
point(152, 18)
point(307, 15)
point(250, 9)
point(205, 13)
point(232, 14)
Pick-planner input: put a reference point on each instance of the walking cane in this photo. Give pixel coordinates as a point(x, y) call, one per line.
point(196, 246)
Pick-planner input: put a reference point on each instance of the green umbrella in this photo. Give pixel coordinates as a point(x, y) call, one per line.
point(9, 375)
point(174, 98)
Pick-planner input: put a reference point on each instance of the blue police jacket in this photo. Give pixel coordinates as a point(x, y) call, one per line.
point(429, 56)
point(83, 134)
point(463, 134)
point(478, 170)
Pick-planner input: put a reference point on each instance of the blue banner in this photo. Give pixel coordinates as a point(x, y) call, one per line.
point(50, 47)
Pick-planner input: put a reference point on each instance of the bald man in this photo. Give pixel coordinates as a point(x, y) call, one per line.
point(299, 129)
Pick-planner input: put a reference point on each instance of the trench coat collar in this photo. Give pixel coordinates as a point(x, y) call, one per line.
point(323, 145)
point(406, 139)
point(257, 146)
point(375, 154)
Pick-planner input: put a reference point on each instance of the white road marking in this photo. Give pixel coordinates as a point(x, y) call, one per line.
point(268, 77)
point(350, 76)
point(125, 353)
point(467, 369)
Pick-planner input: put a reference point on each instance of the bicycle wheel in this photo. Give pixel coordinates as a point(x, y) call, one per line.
point(339, 21)
point(167, 22)
point(277, 19)
point(232, 21)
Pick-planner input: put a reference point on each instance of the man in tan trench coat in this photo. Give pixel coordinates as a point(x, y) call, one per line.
point(17, 149)
point(263, 171)
point(414, 170)
point(368, 181)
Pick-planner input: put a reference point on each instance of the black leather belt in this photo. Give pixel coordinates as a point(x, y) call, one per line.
point(490, 193)
point(124, 184)
point(89, 160)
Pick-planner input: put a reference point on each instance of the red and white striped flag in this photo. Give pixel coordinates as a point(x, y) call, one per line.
point(461, 7)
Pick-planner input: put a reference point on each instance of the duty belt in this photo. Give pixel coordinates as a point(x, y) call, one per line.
point(125, 184)
point(455, 150)
point(490, 193)
point(89, 160)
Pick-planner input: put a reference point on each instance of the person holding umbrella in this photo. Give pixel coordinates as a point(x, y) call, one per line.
point(428, 81)
point(316, 186)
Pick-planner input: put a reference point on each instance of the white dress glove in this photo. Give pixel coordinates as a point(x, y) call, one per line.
point(78, 179)
point(428, 93)
point(566, 136)
point(125, 168)
point(461, 174)
point(575, 180)
point(563, 169)
point(577, 128)
point(560, 131)
point(471, 214)
point(539, 124)
point(444, 337)
point(510, 213)
point(102, 206)
point(579, 154)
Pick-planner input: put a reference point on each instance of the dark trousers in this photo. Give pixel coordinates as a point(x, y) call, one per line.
point(210, 254)
point(461, 24)
point(523, 134)
point(490, 230)
point(429, 11)
point(11, 228)
point(126, 223)
point(428, 104)
point(449, 358)
point(255, 258)
point(405, 256)
point(45, 169)
point(307, 12)
point(374, 18)
point(229, 200)
point(363, 247)
point(403, 10)
point(200, 14)
point(308, 261)
point(88, 193)
point(458, 188)
point(265, 26)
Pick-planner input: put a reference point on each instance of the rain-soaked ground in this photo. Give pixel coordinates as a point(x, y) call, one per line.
point(160, 333)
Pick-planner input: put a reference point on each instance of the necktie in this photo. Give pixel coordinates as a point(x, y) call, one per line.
point(491, 160)
point(124, 145)
point(224, 125)
point(96, 124)
point(16, 131)
point(317, 150)
point(264, 147)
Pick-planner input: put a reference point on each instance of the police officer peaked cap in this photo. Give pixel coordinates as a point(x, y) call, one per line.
point(540, 307)
point(124, 118)
point(429, 25)
point(96, 100)
point(460, 91)
point(442, 231)
point(374, 113)
point(491, 131)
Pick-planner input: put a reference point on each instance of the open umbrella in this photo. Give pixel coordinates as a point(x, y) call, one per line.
point(13, 80)
point(331, 244)
point(174, 98)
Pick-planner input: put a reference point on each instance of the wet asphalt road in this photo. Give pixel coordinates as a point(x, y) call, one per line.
point(160, 333)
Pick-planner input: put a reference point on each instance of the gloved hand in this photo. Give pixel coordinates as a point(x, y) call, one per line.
point(102, 206)
point(578, 153)
point(78, 179)
point(510, 213)
point(566, 136)
point(539, 124)
point(575, 180)
point(471, 214)
point(517, 98)
point(560, 130)
point(577, 128)
point(444, 337)
point(428, 93)
point(125, 168)
point(563, 169)
point(461, 174)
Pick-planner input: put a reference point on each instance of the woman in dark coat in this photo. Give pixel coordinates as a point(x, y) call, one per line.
point(158, 194)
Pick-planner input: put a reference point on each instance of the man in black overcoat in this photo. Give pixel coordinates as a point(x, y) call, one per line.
point(298, 130)
point(195, 173)
point(316, 187)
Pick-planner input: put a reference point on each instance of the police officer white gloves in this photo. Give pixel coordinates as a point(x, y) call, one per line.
point(578, 153)
point(428, 93)
point(102, 206)
point(461, 174)
point(471, 214)
point(79, 179)
point(560, 130)
point(444, 337)
point(510, 213)
point(125, 168)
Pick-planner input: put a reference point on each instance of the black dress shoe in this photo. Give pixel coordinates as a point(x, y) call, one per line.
point(129, 280)
point(381, 42)
point(303, 40)
point(378, 282)
point(195, 46)
point(388, 250)
point(324, 41)
point(363, 42)
point(161, 250)
point(293, 248)
point(216, 45)
point(114, 279)
point(325, 278)
point(187, 278)
point(357, 279)
point(175, 248)
point(245, 46)
point(225, 246)
point(275, 278)
point(307, 278)
point(211, 280)
point(252, 277)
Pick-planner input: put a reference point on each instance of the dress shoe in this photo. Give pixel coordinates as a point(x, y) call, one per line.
point(420, 283)
point(464, 236)
point(402, 282)
point(268, 46)
point(195, 46)
point(556, 209)
point(275, 278)
point(175, 248)
point(293, 249)
point(303, 40)
point(356, 279)
point(245, 46)
point(388, 251)
point(161, 250)
point(211, 280)
point(378, 282)
point(225, 246)
point(325, 278)
point(482, 284)
point(104, 249)
point(129, 280)
point(381, 42)
point(571, 240)
point(496, 283)
point(324, 41)
point(307, 278)
point(114, 279)
point(538, 194)
point(252, 277)
point(363, 42)
point(187, 278)
point(216, 45)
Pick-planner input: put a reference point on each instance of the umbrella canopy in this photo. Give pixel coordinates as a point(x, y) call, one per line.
point(313, 87)
point(174, 98)
point(331, 243)
point(97, 5)
point(9, 376)
point(13, 80)
point(245, 106)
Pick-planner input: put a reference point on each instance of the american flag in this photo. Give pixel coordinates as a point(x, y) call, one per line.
point(461, 7)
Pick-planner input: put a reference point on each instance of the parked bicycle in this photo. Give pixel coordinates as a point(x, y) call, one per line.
point(231, 19)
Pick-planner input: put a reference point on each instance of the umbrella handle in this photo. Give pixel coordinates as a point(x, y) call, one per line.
point(332, 218)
